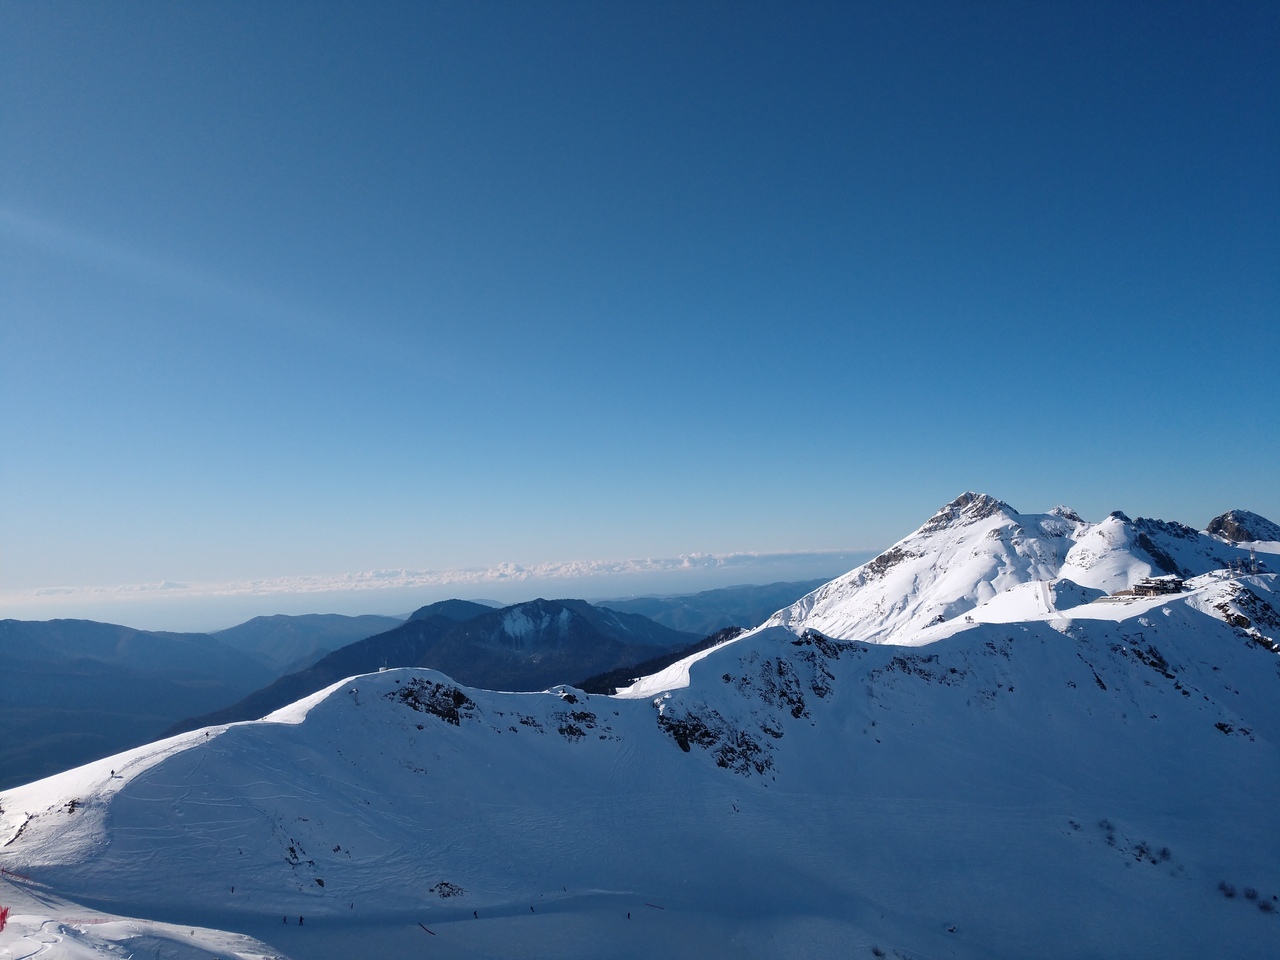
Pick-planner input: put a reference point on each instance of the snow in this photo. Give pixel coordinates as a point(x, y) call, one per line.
point(41, 924)
point(1035, 775)
point(297, 711)
point(668, 678)
point(975, 550)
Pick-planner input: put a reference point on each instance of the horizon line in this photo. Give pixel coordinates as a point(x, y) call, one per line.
point(405, 578)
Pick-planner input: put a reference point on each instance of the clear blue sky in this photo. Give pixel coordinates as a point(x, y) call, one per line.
point(305, 289)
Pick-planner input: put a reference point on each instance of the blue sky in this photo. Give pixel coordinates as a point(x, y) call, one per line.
point(298, 290)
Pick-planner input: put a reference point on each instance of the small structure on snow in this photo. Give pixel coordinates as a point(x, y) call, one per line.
point(1152, 587)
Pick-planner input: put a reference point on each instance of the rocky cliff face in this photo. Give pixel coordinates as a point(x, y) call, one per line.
point(1241, 526)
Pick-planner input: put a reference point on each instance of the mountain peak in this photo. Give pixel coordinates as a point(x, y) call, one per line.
point(969, 507)
point(457, 610)
point(976, 549)
point(1242, 526)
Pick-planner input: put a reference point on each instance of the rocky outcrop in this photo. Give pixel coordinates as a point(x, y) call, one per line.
point(1241, 526)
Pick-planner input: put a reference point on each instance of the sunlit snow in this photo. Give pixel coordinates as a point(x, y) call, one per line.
point(1040, 772)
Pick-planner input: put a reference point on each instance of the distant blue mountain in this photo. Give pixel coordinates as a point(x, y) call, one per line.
point(289, 643)
point(711, 610)
point(72, 691)
point(76, 690)
point(526, 646)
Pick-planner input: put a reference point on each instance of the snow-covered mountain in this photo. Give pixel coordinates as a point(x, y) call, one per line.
point(1073, 779)
point(977, 548)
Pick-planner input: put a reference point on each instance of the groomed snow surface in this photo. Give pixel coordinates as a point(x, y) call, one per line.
point(41, 924)
point(1036, 775)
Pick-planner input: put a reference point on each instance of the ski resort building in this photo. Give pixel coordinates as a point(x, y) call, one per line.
point(1152, 587)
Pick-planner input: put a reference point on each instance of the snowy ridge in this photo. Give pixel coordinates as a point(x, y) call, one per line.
point(297, 712)
point(1119, 761)
point(1036, 775)
point(976, 548)
point(669, 678)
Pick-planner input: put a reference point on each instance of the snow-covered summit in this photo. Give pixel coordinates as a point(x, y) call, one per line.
point(967, 509)
point(977, 547)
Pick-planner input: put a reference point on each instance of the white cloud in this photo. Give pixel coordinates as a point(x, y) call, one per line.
point(502, 573)
point(193, 606)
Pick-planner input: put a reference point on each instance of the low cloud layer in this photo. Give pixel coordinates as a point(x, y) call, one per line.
point(371, 590)
point(503, 573)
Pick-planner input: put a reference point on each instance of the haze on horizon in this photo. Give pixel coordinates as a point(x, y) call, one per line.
point(292, 291)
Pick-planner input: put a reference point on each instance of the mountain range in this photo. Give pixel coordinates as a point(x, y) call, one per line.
point(977, 548)
point(1008, 735)
point(285, 644)
point(526, 646)
point(709, 611)
point(78, 690)
point(82, 690)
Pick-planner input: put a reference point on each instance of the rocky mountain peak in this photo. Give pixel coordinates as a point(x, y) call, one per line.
point(969, 507)
point(1243, 526)
point(1066, 513)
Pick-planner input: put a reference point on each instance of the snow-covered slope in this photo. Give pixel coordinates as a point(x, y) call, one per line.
point(1051, 778)
point(981, 797)
point(44, 925)
point(977, 547)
